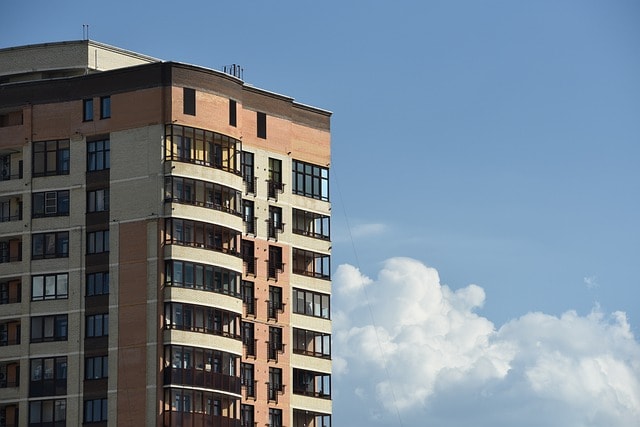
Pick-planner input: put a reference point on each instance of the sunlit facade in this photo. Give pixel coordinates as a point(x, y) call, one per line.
point(164, 245)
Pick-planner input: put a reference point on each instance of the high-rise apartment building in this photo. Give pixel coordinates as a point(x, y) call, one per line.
point(164, 245)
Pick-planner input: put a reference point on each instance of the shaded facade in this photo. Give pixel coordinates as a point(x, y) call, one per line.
point(164, 245)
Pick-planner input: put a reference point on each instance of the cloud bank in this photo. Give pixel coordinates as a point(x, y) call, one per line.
point(419, 351)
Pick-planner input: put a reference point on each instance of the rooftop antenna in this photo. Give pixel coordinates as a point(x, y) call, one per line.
point(85, 31)
point(234, 69)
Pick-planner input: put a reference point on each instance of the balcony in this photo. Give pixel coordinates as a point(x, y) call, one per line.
point(250, 306)
point(273, 309)
point(249, 346)
point(311, 264)
point(274, 228)
point(274, 188)
point(9, 414)
point(10, 209)
point(274, 390)
point(9, 333)
point(274, 269)
point(250, 184)
point(273, 350)
point(11, 292)
point(10, 374)
point(10, 249)
point(249, 389)
point(202, 378)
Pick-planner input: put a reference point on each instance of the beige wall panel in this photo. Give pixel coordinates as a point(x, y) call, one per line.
point(311, 404)
point(310, 283)
point(212, 216)
point(316, 364)
point(196, 339)
point(311, 323)
point(211, 299)
point(218, 176)
point(204, 256)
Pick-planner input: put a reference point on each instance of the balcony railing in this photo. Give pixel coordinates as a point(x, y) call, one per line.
point(249, 389)
point(274, 269)
point(273, 390)
point(250, 184)
point(202, 378)
point(203, 204)
point(250, 225)
point(273, 309)
point(250, 266)
point(274, 228)
point(250, 347)
point(273, 349)
point(250, 306)
point(273, 189)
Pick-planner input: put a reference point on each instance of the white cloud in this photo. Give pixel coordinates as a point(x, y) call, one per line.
point(591, 282)
point(421, 349)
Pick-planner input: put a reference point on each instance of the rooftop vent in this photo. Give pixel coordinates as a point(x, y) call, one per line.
point(234, 70)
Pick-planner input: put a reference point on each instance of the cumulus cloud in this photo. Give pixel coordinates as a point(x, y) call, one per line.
point(419, 348)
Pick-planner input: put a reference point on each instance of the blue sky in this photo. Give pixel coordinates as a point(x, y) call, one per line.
point(496, 142)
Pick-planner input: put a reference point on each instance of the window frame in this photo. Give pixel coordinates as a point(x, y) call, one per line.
point(92, 283)
point(96, 325)
point(97, 242)
point(59, 328)
point(60, 240)
point(87, 110)
point(89, 410)
point(105, 107)
point(43, 208)
point(98, 200)
point(98, 155)
point(60, 291)
point(310, 180)
point(54, 156)
point(96, 367)
point(261, 125)
point(312, 303)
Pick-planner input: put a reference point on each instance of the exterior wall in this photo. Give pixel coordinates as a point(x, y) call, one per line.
point(143, 100)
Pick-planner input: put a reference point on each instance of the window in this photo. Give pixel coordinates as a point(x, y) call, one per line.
point(274, 345)
point(49, 286)
point(310, 180)
point(96, 367)
point(98, 200)
point(105, 107)
point(49, 328)
point(47, 413)
point(248, 175)
point(310, 224)
point(201, 235)
point(48, 377)
point(51, 158)
point(246, 415)
point(274, 224)
point(309, 383)
point(274, 386)
point(274, 183)
point(275, 302)
point(274, 263)
point(275, 417)
point(51, 203)
point(250, 225)
point(97, 325)
point(247, 379)
point(203, 319)
point(311, 303)
point(199, 146)
point(233, 114)
point(248, 338)
point(87, 110)
point(311, 264)
point(50, 245)
point(248, 297)
point(196, 366)
point(184, 274)
point(95, 410)
point(98, 157)
point(202, 193)
point(98, 242)
point(304, 418)
point(98, 283)
point(311, 343)
point(189, 101)
point(262, 124)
